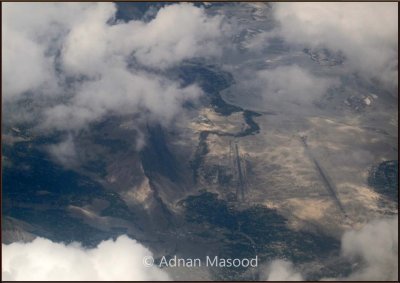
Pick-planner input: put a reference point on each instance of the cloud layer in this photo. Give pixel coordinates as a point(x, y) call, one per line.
point(67, 65)
point(82, 64)
point(280, 270)
point(292, 83)
point(376, 245)
point(79, 63)
point(367, 33)
point(311, 48)
point(373, 250)
point(42, 259)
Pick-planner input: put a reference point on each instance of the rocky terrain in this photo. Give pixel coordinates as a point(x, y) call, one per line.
point(234, 176)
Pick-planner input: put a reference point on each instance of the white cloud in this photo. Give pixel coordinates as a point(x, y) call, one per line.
point(282, 87)
point(43, 259)
point(31, 33)
point(19, 55)
point(292, 83)
point(120, 92)
point(79, 62)
point(372, 250)
point(178, 32)
point(64, 152)
point(87, 49)
point(376, 244)
point(367, 33)
point(280, 270)
point(288, 88)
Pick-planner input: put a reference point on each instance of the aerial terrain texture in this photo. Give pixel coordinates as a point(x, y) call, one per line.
point(138, 134)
